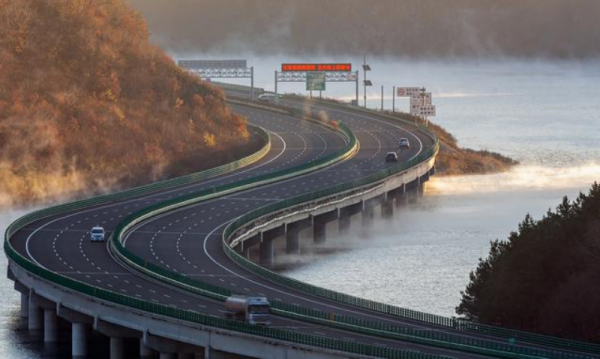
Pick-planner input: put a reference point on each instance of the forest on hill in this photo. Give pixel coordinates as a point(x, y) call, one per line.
point(545, 277)
point(87, 104)
point(555, 29)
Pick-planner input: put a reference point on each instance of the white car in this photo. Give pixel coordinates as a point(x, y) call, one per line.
point(403, 143)
point(97, 234)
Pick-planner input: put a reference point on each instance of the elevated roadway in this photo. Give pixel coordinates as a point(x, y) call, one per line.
point(188, 241)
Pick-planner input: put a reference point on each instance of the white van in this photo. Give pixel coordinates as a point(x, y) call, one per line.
point(267, 96)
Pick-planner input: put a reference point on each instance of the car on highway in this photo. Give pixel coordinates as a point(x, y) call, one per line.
point(97, 234)
point(391, 157)
point(267, 96)
point(403, 143)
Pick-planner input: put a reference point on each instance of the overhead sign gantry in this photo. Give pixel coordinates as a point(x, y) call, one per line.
point(316, 75)
point(209, 69)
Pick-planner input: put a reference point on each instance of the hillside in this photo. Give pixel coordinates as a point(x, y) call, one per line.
point(545, 277)
point(88, 105)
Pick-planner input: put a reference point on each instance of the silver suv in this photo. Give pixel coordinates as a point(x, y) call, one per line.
point(403, 143)
point(97, 234)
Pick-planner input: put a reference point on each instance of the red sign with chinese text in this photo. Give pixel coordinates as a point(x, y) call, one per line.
point(316, 67)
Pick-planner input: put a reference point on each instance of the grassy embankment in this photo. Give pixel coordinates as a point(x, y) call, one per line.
point(453, 159)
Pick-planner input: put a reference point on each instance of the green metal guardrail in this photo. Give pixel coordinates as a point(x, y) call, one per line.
point(407, 313)
point(450, 341)
point(453, 323)
point(426, 337)
point(190, 316)
point(152, 210)
point(203, 319)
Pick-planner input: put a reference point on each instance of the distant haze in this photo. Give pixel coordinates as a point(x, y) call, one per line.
point(415, 28)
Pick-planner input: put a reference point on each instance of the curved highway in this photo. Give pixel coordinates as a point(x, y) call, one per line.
point(188, 241)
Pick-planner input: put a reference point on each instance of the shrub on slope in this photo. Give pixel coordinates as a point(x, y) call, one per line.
point(87, 103)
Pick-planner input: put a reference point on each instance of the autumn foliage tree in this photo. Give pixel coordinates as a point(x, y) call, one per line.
point(545, 277)
point(86, 103)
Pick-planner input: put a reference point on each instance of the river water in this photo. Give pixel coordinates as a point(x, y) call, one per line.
point(544, 114)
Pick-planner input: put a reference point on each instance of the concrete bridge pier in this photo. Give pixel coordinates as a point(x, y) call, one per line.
point(117, 347)
point(320, 225)
point(249, 243)
point(117, 335)
point(24, 305)
point(170, 349)
point(368, 213)
point(367, 216)
point(387, 207)
point(292, 235)
point(399, 195)
point(24, 296)
point(412, 191)
point(80, 324)
point(35, 316)
point(79, 340)
point(422, 180)
point(50, 326)
point(186, 356)
point(346, 214)
point(210, 353)
point(145, 351)
point(44, 315)
point(267, 246)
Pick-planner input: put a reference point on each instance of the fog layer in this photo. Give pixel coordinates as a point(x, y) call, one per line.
point(418, 28)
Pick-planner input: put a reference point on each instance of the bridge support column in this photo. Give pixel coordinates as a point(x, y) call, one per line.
point(117, 335)
point(117, 348)
point(421, 190)
point(320, 225)
point(210, 353)
point(36, 315)
point(344, 224)
point(169, 348)
point(24, 304)
point(367, 216)
point(50, 326)
point(292, 235)
point(267, 252)
point(412, 192)
point(292, 242)
point(145, 351)
point(267, 246)
point(80, 325)
point(399, 195)
point(320, 232)
point(79, 339)
point(387, 208)
point(246, 252)
point(402, 200)
point(346, 213)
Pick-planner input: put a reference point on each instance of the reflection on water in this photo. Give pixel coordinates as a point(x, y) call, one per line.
point(421, 258)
